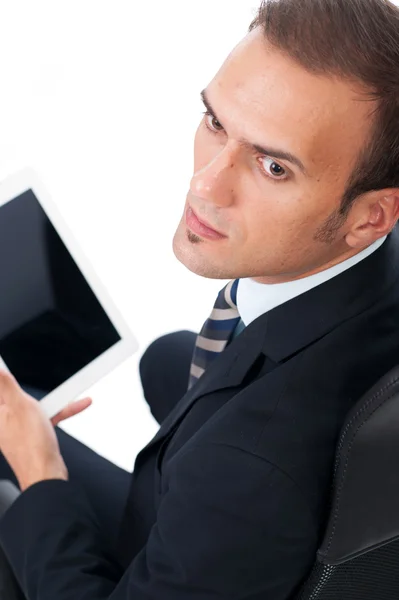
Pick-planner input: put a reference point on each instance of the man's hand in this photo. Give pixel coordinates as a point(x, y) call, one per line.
point(27, 436)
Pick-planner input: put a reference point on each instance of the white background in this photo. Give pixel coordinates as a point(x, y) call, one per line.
point(101, 98)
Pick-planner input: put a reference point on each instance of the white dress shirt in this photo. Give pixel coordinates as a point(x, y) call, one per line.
point(255, 299)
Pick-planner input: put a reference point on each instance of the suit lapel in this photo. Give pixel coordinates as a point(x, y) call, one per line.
point(227, 370)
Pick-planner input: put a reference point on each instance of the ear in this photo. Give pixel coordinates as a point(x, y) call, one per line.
point(373, 216)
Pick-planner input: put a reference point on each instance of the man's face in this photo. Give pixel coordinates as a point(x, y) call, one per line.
point(270, 202)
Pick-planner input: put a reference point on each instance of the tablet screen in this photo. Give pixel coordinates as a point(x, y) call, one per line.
point(51, 323)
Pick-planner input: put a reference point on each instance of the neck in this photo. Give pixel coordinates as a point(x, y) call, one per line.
point(294, 276)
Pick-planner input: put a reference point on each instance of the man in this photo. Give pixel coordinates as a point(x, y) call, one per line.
point(294, 198)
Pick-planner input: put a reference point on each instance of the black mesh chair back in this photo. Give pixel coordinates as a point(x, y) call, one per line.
point(359, 556)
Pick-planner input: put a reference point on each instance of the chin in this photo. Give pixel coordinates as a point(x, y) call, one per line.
point(188, 252)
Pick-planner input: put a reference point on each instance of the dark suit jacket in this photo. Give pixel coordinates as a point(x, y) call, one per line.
point(228, 501)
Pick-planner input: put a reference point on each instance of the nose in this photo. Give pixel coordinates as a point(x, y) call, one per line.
point(214, 182)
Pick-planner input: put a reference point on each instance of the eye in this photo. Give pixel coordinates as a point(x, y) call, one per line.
point(272, 168)
point(212, 123)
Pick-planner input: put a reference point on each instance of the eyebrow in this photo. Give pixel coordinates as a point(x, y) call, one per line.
point(272, 152)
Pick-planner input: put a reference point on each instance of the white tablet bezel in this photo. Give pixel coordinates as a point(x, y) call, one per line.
point(16, 184)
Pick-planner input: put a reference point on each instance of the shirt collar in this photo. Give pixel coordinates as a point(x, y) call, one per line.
point(255, 299)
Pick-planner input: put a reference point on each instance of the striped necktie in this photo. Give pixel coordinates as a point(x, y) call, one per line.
point(216, 332)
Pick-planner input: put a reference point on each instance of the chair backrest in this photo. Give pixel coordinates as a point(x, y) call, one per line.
point(359, 556)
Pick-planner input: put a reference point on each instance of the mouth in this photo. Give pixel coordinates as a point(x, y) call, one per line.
point(200, 227)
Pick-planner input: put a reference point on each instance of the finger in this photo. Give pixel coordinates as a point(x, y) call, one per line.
point(71, 410)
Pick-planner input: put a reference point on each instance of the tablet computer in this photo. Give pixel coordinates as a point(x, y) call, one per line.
point(60, 332)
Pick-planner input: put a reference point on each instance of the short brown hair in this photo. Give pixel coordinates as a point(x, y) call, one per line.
point(357, 40)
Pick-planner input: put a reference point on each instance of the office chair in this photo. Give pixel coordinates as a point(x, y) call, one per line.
point(359, 555)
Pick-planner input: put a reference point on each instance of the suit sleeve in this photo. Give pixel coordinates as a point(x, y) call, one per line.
point(229, 525)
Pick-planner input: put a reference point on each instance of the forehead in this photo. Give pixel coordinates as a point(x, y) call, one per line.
point(263, 95)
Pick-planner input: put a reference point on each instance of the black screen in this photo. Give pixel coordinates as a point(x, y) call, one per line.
point(51, 323)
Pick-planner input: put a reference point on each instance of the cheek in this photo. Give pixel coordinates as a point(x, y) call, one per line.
point(278, 219)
